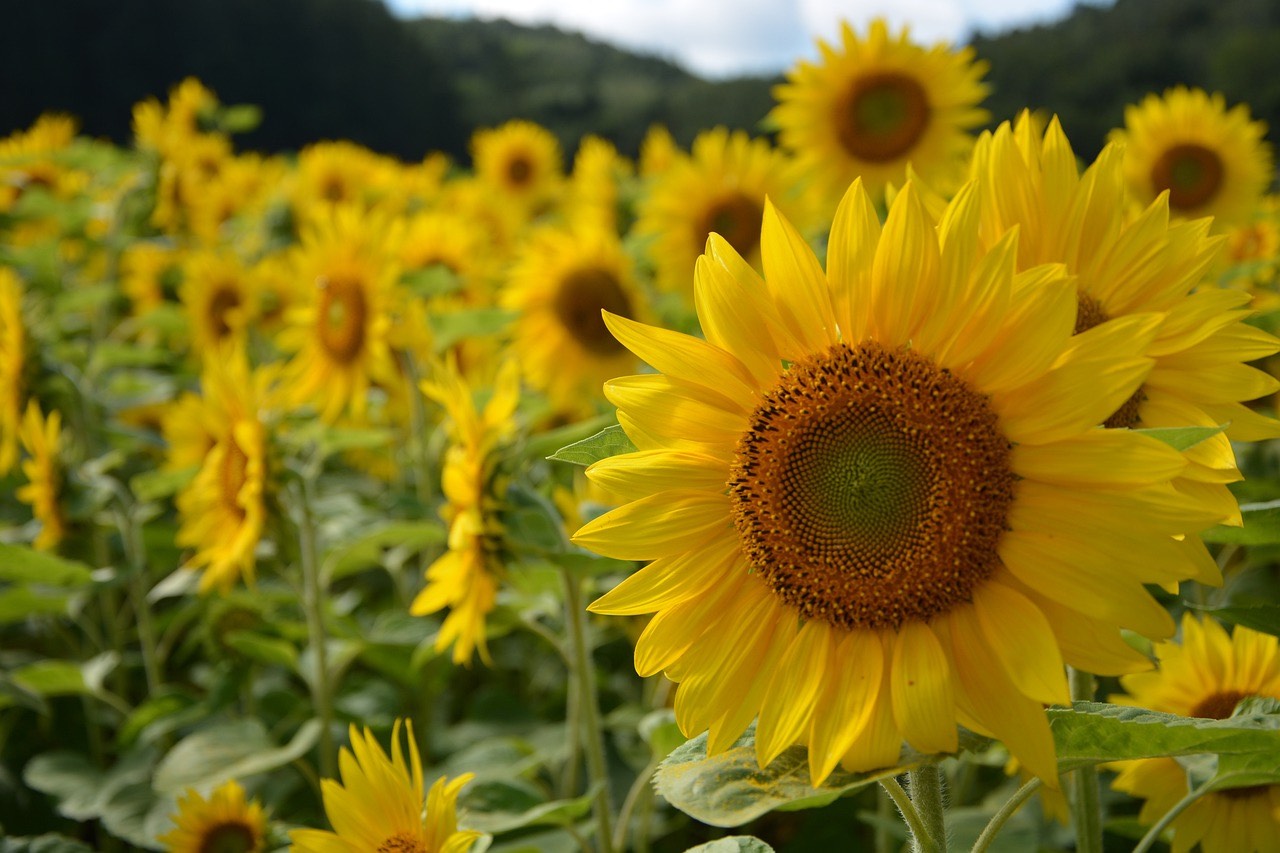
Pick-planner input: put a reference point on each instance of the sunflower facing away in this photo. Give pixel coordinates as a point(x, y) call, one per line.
point(1206, 676)
point(378, 806)
point(875, 499)
point(224, 823)
point(13, 345)
point(41, 437)
point(1211, 160)
point(465, 578)
point(873, 105)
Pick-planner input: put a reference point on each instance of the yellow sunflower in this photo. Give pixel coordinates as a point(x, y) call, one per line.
point(658, 151)
point(465, 578)
point(379, 804)
point(1206, 676)
point(147, 270)
point(875, 497)
point(559, 284)
point(339, 173)
point(225, 823)
point(29, 159)
point(720, 187)
point(338, 334)
point(1212, 161)
point(219, 299)
point(873, 105)
point(1129, 263)
point(13, 360)
point(521, 162)
point(594, 184)
point(222, 511)
point(457, 242)
point(41, 437)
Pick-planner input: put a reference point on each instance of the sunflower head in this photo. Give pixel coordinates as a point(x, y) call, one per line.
point(219, 299)
point(521, 161)
point(223, 823)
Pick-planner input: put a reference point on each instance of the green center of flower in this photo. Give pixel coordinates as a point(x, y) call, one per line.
point(872, 487)
point(737, 219)
point(341, 318)
point(230, 837)
point(1090, 313)
point(1191, 173)
point(582, 295)
point(882, 116)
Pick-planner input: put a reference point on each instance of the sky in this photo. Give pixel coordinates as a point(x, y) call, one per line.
point(719, 38)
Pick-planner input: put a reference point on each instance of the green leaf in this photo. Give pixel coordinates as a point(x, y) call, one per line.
point(370, 550)
point(660, 731)
point(231, 749)
point(733, 844)
point(156, 485)
point(448, 329)
point(1260, 616)
point(264, 649)
point(51, 678)
point(435, 280)
point(83, 791)
point(1182, 438)
point(43, 844)
point(610, 441)
point(18, 603)
point(1261, 526)
point(501, 805)
point(25, 565)
point(239, 118)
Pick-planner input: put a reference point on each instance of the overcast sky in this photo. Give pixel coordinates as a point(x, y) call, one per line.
point(726, 37)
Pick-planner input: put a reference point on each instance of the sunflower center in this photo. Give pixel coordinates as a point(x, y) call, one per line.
point(232, 474)
point(519, 171)
point(230, 837)
point(1191, 173)
point(737, 219)
point(872, 487)
point(333, 188)
point(578, 302)
point(882, 116)
point(341, 318)
point(1090, 313)
point(402, 843)
point(1218, 706)
point(225, 299)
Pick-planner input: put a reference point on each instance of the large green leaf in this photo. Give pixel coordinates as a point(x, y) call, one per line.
point(610, 441)
point(21, 564)
point(161, 483)
point(1261, 616)
point(51, 678)
point(232, 749)
point(733, 844)
point(373, 548)
point(43, 844)
point(1261, 526)
point(448, 329)
point(501, 805)
point(18, 603)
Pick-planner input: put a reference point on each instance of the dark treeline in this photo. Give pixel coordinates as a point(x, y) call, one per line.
point(325, 69)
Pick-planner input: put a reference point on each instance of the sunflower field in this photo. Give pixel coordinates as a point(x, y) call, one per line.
point(882, 483)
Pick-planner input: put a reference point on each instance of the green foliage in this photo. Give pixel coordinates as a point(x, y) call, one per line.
point(610, 441)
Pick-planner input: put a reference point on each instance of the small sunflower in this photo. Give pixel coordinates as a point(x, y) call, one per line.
point(873, 105)
point(338, 174)
point(224, 823)
point(465, 578)
point(219, 299)
point(521, 162)
point(721, 186)
point(379, 804)
point(338, 334)
point(222, 510)
point(148, 270)
point(875, 497)
point(458, 243)
point(559, 285)
point(1212, 161)
point(1205, 676)
point(13, 360)
point(594, 184)
point(42, 439)
point(658, 151)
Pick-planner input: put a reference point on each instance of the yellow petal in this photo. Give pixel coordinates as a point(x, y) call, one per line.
point(635, 475)
point(796, 282)
point(1099, 457)
point(1023, 643)
point(788, 702)
point(657, 526)
point(851, 248)
point(923, 705)
point(736, 316)
point(905, 271)
point(846, 703)
point(670, 580)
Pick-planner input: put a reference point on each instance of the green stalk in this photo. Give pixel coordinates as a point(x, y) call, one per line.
point(1153, 834)
point(312, 603)
point(1001, 817)
point(925, 784)
point(591, 732)
point(136, 556)
point(909, 814)
point(1086, 806)
point(884, 811)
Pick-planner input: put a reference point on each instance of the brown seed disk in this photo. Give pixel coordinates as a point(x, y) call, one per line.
point(578, 302)
point(882, 116)
point(1191, 173)
point(872, 487)
point(737, 219)
point(341, 318)
point(1090, 313)
point(1218, 706)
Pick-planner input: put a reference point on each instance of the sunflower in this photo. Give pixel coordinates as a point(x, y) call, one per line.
point(219, 300)
point(1206, 676)
point(658, 151)
point(559, 284)
point(42, 438)
point(1129, 263)
point(458, 243)
point(593, 193)
point(873, 105)
point(1212, 161)
point(339, 173)
point(13, 359)
point(379, 804)
point(720, 187)
point(521, 162)
point(338, 335)
point(225, 823)
point(147, 271)
point(465, 578)
point(30, 159)
point(222, 511)
point(875, 498)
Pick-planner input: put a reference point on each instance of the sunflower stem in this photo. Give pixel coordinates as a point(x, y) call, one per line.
point(925, 785)
point(1001, 817)
point(312, 603)
point(1153, 834)
point(590, 731)
point(135, 553)
point(884, 811)
point(1086, 807)
point(909, 814)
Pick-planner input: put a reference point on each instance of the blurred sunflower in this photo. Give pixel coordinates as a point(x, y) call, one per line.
point(13, 360)
point(1205, 676)
point(465, 578)
point(559, 284)
point(873, 105)
point(147, 271)
point(594, 184)
point(1212, 161)
point(42, 439)
point(224, 823)
point(658, 150)
point(720, 187)
point(339, 173)
point(521, 162)
point(338, 334)
point(30, 159)
point(874, 498)
point(219, 299)
point(379, 804)
point(1130, 263)
point(458, 243)
point(222, 511)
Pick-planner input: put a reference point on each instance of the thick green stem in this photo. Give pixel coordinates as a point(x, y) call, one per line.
point(884, 811)
point(908, 811)
point(591, 733)
point(1001, 817)
point(312, 604)
point(1153, 834)
point(1086, 806)
point(135, 553)
point(925, 785)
